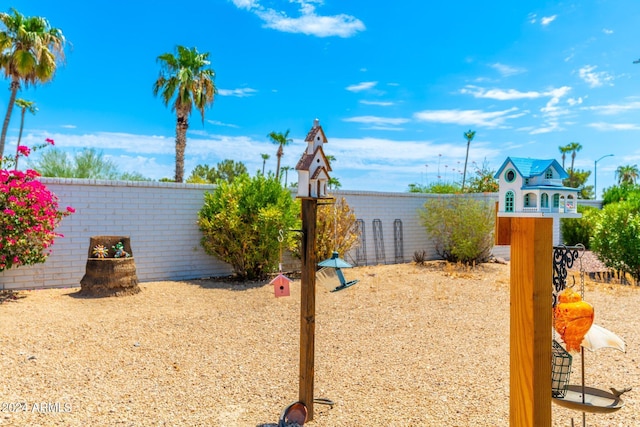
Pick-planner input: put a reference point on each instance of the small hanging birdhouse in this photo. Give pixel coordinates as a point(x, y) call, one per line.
point(337, 264)
point(281, 285)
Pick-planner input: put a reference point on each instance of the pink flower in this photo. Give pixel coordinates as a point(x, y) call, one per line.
point(24, 150)
point(49, 141)
point(70, 209)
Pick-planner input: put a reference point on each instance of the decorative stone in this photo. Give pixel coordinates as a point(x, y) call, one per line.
point(109, 276)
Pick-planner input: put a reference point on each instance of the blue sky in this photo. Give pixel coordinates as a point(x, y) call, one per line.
point(394, 84)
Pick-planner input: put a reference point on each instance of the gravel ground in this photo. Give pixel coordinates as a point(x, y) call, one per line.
point(408, 345)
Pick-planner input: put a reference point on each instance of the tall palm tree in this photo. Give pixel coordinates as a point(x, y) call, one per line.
point(29, 52)
point(469, 135)
point(286, 170)
point(25, 106)
point(282, 139)
point(627, 174)
point(265, 157)
point(185, 82)
point(573, 147)
point(564, 149)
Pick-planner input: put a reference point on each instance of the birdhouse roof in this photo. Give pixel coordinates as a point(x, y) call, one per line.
point(305, 161)
point(320, 171)
point(311, 136)
point(529, 168)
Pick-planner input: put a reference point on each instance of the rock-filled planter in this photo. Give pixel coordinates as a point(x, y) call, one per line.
point(111, 268)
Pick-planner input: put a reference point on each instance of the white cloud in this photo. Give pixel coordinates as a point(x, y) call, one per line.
point(219, 123)
point(607, 31)
point(240, 93)
point(68, 126)
point(594, 78)
point(507, 70)
point(375, 120)
point(532, 18)
point(614, 126)
point(378, 103)
point(468, 117)
point(308, 22)
point(499, 94)
point(361, 86)
point(613, 109)
point(574, 101)
point(546, 20)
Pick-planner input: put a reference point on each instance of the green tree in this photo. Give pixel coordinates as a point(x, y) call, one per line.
point(469, 135)
point(29, 52)
point(88, 163)
point(286, 170)
point(564, 150)
point(627, 174)
point(334, 183)
point(620, 193)
point(226, 170)
point(281, 139)
point(25, 106)
point(461, 227)
point(185, 82)
point(435, 188)
point(335, 229)
point(616, 239)
point(579, 230)
point(240, 222)
point(483, 181)
point(573, 147)
point(578, 179)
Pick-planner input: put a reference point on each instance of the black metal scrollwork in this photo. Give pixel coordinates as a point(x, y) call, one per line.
point(563, 259)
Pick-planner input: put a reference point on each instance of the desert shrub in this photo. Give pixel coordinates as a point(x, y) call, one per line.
point(616, 238)
point(619, 193)
point(240, 222)
point(335, 229)
point(419, 257)
point(579, 230)
point(462, 228)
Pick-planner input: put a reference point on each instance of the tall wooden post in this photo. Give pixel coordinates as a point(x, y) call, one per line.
point(531, 318)
point(308, 304)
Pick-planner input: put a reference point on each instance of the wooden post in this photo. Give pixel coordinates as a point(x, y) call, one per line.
point(308, 304)
point(531, 317)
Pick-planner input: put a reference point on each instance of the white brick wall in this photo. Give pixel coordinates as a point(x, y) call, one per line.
point(161, 219)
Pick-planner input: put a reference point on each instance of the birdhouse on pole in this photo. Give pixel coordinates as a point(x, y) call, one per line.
point(313, 167)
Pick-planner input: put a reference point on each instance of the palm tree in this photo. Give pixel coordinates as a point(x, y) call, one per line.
point(185, 81)
point(469, 135)
point(24, 106)
point(573, 147)
point(564, 150)
point(29, 51)
point(286, 170)
point(265, 157)
point(281, 139)
point(627, 174)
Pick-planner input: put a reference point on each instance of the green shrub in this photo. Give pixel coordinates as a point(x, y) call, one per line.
point(335, 229)
point(240, 222)
point(620, 193)
point(616, 238)
point(462, 228)
point(579, 230)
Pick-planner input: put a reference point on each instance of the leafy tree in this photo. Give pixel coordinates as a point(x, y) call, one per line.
point(334, 183)
point(616, 239)
point(469, 135)
point(29, 51)
point(282, 139)
point(578, 179)
point(240, 222)
point(579, 230)
point(226, 170)
point(483, 181)
point(627, 174)
point(88, 163)
point(25, 106)
point(335, 229)
point(620, 193)
point(461, 227)
point(185, 82)
point(435, 188)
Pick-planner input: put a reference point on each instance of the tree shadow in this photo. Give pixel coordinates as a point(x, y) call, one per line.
point(9, 295)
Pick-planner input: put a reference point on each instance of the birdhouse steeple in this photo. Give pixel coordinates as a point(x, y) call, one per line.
point(313, 167)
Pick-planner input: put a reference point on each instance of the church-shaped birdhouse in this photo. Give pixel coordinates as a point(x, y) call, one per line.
point(534, 188)
point(313, 167)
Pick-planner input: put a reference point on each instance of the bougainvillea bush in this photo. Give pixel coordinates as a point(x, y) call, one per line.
point(29, 216)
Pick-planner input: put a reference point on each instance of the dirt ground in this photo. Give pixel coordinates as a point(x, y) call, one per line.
point(408, 345)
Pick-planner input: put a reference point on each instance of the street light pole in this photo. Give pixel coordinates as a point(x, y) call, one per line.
point(595, 174)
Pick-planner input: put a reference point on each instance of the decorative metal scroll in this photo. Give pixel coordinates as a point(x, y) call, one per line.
point(361, 249)
point(563, 259)
point(379, 241)
point(397, 240)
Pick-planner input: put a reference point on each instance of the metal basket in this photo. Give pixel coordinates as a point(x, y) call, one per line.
point(560, 370)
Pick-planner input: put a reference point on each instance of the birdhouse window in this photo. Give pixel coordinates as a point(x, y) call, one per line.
point(548, 174)
point(508, 201)
point(510, 175)
point(556, 200)
point(544, 200)
point(527, 200)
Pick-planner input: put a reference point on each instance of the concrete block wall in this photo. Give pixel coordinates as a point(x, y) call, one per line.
point(161, 220)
